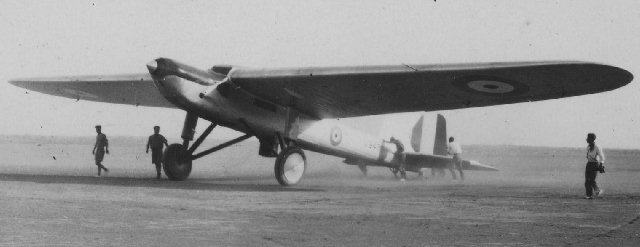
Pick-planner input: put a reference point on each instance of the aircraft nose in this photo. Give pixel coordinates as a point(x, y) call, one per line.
point(152, 66)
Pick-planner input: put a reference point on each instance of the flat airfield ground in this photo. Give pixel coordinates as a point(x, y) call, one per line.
point(50, 197)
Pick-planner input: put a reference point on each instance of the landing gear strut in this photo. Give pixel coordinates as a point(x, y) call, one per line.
point(289, 166)
point(363, 169)
point(395, 171)
point(178, 159)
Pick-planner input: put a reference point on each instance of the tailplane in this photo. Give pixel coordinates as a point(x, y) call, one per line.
point(421, 141)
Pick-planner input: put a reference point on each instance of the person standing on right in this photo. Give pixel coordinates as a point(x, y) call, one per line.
point(156, 142)
point(454, 149)
point(592, 168)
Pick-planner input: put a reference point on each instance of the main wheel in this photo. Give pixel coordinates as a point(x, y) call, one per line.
point(177, 163)
point(290, 166)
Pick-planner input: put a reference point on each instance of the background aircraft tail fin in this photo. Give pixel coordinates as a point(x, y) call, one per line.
point(416, 134)
point(440, 140)
point(422, 134)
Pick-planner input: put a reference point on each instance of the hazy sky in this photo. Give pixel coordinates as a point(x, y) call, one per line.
point(50, 38)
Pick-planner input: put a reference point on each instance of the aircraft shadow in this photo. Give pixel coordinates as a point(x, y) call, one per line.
point(218, 184)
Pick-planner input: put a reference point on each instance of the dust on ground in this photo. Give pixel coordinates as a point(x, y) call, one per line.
point(232, 199)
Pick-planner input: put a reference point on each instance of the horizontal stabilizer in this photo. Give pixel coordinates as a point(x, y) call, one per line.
point(477, 166)
point(418, 160)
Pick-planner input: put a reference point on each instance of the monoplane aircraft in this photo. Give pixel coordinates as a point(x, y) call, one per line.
point(294, 109)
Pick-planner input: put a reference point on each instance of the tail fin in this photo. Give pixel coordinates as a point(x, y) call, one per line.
point(420, 141)
point(416, 134)
point(421, 137)
point(440, 140)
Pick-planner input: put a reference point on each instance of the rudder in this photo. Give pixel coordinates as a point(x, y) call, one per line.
point(440, 140)
point(416, 134)
point(421, 140)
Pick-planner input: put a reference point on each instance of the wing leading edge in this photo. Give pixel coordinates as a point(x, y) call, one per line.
point(357, 91)
point(132, 89)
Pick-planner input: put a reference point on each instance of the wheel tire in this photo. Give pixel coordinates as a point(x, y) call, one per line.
point(290, 166)
point(177, 166)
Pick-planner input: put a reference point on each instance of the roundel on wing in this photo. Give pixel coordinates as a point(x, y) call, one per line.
point(336, 136)
point(490, 85)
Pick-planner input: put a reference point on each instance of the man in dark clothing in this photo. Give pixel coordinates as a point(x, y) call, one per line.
point(401, 157)
point(101, 146)
point(156, 142)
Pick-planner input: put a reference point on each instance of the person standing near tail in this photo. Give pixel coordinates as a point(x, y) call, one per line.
point(453, 148)
point(593, 166)
point(99, 149)
point(156, 142)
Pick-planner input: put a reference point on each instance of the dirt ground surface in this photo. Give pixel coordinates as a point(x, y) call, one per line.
point(58, 201)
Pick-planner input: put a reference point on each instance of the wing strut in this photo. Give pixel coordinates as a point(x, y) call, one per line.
point(221, 146)
point(178, 157)
point(200, 139)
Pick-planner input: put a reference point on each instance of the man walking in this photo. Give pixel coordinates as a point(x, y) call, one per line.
point(101, 146)
point(156, 142)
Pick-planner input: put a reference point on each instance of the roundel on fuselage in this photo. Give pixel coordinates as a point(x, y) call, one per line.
point(335, 136)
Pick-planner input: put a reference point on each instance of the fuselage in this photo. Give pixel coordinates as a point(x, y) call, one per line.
point(217, 99)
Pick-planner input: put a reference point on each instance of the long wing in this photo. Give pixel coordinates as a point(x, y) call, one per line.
point(358, 91)
point(438, 161)
point(134, 89)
